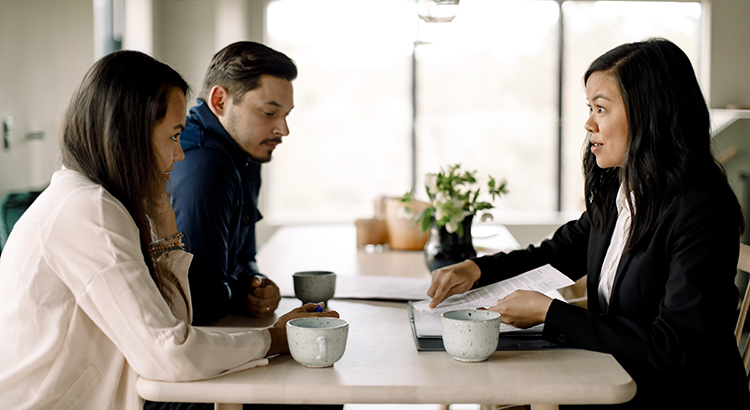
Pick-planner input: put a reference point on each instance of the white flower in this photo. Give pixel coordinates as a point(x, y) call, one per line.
point(456, 219)
point(449, 211)
point(453, 195)
point(430, 182)
point(441, 198)
point(451, 227)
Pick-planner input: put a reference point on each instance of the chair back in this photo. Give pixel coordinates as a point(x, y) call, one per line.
point(743, 264)
point(13, 206)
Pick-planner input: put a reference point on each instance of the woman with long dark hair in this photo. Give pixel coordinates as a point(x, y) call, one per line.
point(659, 240)
point(94, 274)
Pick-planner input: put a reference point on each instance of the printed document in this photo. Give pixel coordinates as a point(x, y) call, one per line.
point(544, 279)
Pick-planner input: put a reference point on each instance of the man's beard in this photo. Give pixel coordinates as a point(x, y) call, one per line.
point(267, 158)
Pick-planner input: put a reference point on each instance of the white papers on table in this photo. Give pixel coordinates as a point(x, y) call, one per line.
point(374, 288)
point(545, 279)
point(542, 279)
point(381, 287)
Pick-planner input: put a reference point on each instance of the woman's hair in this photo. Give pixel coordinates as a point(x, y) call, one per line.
point(669, 140)
point(107, 135)
point(239, 66)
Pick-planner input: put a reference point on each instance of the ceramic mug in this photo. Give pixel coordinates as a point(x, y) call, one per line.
point(317, 341)
point(314, 286)
point(470, 335)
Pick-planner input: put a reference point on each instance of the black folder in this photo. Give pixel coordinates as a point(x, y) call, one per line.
point(521, 340)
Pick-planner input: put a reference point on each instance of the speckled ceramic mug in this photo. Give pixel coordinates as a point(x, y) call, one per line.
point(314, 286)
point(470, 335)
point(317, 341)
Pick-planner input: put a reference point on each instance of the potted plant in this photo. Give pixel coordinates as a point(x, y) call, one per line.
point(454, 200)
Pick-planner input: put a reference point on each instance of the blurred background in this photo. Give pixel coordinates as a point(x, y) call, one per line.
point(382, 96)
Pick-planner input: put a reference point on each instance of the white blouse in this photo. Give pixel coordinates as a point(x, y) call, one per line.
point(616, 247)
point(81, 317)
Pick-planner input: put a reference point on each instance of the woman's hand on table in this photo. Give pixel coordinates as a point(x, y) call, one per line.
point(523, 308)
point(279, 342)
point(452, 280)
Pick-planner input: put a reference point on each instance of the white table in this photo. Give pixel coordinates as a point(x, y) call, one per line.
point(382, 365)
point(334, 248)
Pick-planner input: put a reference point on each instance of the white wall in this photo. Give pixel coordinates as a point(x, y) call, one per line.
point(730, 54)
point(187, 33)
point(46, 46)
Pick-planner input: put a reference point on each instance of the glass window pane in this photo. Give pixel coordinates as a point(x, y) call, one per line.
point(350, 130)
point(487, 99)
point(592, 28)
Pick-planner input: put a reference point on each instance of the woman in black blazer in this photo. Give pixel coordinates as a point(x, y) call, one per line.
point(659, 240)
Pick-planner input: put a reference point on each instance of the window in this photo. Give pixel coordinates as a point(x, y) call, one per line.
point(350, 130)
point(487, 99)
point(487, 96)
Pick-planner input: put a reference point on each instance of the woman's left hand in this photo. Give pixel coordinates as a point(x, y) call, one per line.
point(523, 308)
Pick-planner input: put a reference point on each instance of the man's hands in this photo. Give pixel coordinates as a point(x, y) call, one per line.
point(452, 280)
point(279, 343)
point(264, 297)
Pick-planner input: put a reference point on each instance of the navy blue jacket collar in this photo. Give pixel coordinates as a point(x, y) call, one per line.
point(201, 121)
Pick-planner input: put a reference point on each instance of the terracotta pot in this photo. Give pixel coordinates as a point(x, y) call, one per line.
point(403, 234)
point(371, 232)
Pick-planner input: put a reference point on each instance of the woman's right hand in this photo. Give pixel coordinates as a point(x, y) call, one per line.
point(452, 280)
point(279, 343)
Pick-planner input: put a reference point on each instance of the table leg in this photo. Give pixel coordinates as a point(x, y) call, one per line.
point(227, 406)
point(545, 407)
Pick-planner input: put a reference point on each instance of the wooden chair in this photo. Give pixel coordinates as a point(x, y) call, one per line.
point(743, 264)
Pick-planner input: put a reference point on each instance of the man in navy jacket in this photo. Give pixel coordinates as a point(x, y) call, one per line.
point(238, 121)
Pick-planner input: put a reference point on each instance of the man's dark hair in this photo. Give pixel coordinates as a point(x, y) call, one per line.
point(239, 66)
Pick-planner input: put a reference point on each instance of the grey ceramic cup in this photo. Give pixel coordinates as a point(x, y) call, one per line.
point(314, 286)
point(470, 335)
point(317, 341)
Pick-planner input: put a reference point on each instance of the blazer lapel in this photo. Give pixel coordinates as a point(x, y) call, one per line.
point(621, 268)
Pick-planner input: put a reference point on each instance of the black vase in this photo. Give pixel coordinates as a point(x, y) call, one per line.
point(444, 248)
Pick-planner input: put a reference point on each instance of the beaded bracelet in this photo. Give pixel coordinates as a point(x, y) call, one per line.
point(166, 249)
point(178, 235)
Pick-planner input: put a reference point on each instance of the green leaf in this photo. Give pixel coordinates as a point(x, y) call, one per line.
point(426, 217)
point(462, 189)
point(460, 230)
point(418, 218)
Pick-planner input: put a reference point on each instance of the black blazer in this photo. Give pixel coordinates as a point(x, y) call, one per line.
point(673, 304)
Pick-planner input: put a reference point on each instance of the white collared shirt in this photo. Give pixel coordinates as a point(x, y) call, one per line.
point(616, 247)
point(81, 317)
